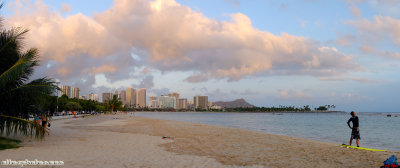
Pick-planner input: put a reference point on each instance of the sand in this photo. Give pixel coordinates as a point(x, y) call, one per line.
point(126, 141)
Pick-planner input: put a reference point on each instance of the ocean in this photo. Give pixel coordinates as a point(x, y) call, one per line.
point(376, 129)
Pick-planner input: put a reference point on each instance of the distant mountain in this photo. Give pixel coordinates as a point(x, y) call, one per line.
point(233, 104)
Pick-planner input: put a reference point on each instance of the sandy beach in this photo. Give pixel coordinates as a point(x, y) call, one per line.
point(127, 141)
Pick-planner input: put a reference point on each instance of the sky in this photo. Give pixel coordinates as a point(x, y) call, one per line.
point(271, 53)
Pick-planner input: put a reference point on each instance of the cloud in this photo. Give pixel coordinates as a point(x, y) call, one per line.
point(147, 82)
point(353, 97)
point(159, 92)
point(355, 11)
point(65, 8)
point(103, 69)
point(235, 3)
point(379, 28)
point(371, 50)
point(167, 36)
point(358, 79)
point(384, 7)
point(375, 34)
point(293, 94)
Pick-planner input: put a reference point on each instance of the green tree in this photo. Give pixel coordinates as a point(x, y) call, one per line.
point(114, 103)
point(72, 106)
point(322, 108)
point(20, 96)
point(307, 108)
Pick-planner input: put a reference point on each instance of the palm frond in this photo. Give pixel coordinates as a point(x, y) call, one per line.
point(19, 97)
point(41, 85)
point(15, 73)
point(10, 39)
point(15, 125)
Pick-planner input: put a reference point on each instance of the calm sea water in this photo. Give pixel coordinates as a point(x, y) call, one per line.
point(376, 129)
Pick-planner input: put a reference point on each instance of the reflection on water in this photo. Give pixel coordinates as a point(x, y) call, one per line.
point(377, 130)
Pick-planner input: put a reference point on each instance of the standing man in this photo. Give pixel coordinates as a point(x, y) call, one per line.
point(355, 130)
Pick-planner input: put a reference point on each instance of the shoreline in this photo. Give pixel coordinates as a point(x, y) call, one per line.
point(300, 112)
point(191, 145)
point(335, 140)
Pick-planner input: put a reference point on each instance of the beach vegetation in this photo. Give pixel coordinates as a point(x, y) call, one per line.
point(281, 108)
point(6, 143)
point(73, 106)
point(20, 96)
point(114, 104)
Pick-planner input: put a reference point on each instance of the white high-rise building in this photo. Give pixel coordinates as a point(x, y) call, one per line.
point(94, 97)
point(141, 98)
point(154, 104)
point(74, 92)
point(167, 102)
point(122, 96)
point(65, 90)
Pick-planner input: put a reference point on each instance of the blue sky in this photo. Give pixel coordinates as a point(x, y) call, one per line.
point(271, 53)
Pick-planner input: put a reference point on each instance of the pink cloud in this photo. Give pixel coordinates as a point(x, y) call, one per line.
point(293, 94)
point(372, 33)
point(104, 68)
point(169, 36)
point(351, 78)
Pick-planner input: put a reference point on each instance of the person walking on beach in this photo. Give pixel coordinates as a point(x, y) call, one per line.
point(37, 119)
point(355, 130)
point(44, 123)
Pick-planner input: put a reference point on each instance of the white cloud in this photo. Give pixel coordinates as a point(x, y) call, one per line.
point(373, 34)
point(168, 36)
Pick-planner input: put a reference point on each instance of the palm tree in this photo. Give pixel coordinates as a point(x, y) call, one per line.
point(114, 103)
point(20, 96)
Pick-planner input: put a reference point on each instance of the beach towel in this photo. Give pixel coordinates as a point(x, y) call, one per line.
point(391, 162)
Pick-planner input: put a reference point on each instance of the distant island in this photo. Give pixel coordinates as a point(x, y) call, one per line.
point(241, 105)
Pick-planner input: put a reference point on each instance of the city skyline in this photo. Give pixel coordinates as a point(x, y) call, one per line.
point(137, 98)
point(270, 53)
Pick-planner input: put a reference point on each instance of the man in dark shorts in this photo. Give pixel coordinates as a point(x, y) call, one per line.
point(355, 130)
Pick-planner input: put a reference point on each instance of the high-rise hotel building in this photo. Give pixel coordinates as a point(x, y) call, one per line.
point(141, 98)
point(200, 102)
point(130, 97)
point(122, 96)
point(153, 102)
point(94, 97)
point(107, 97)
point(176, 95)
point(74, 92)
point(181, 104)
point(166, 101)
point(65, 90)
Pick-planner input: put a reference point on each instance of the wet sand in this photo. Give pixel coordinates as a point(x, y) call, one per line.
point(126, 141)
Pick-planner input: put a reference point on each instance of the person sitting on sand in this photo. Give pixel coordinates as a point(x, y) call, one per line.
point(355, 130)
point(44, 123)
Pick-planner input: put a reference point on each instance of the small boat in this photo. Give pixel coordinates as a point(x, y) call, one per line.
point(389, 115)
